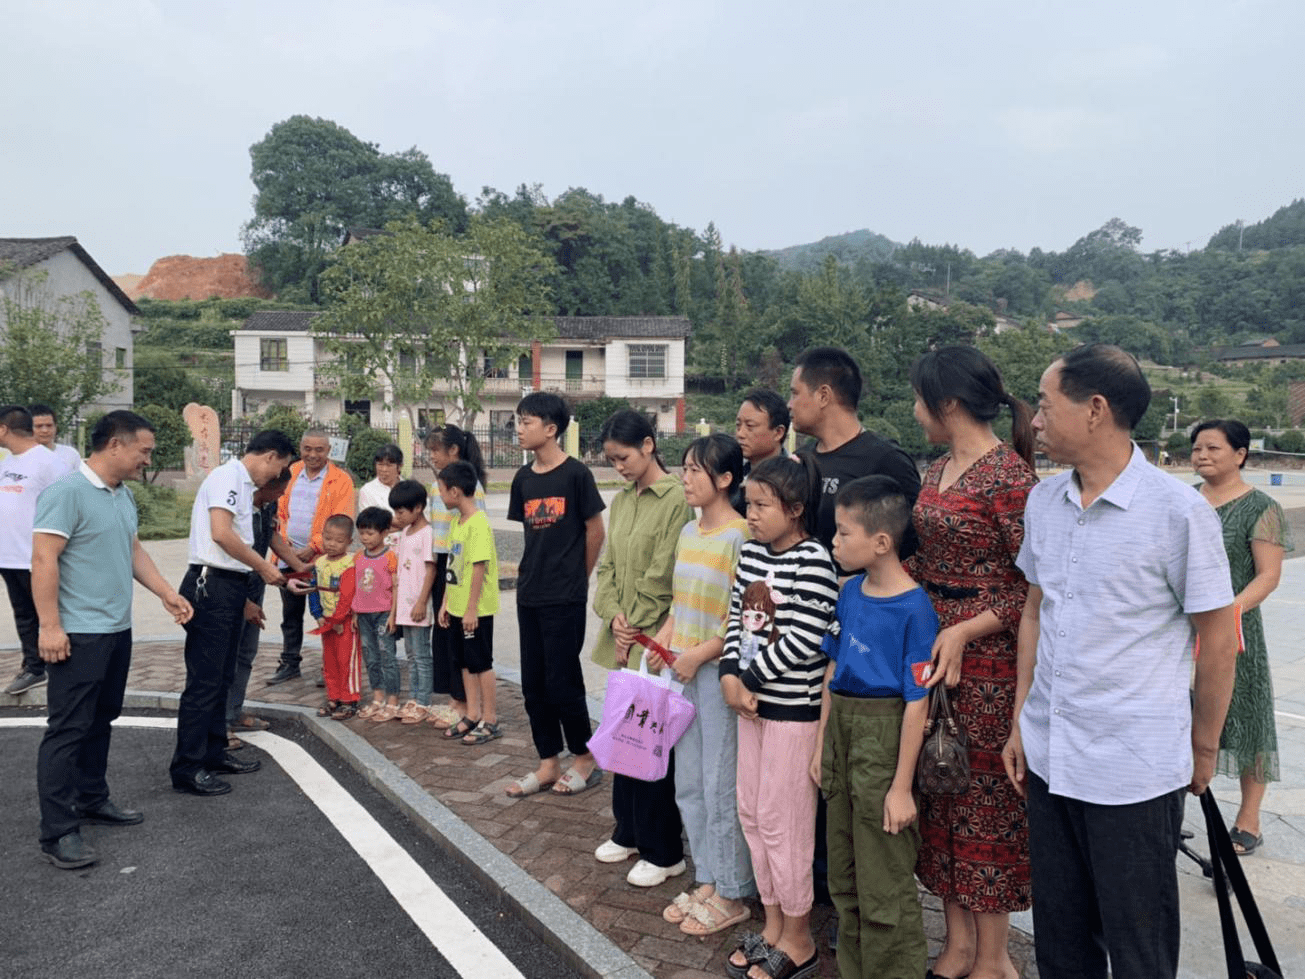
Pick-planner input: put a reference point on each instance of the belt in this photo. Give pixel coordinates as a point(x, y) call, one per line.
point(947, 591)
point(220, 572)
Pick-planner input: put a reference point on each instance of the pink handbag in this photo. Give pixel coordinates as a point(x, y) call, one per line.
point(643, 717)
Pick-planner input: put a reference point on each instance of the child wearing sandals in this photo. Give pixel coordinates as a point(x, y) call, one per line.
point(374, 573)
point(412, 590)
point(705, 757)
point(471, 596)
point(331, 604)
point(772, 669)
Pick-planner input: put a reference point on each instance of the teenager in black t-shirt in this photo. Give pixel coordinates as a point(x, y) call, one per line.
point(557, 502)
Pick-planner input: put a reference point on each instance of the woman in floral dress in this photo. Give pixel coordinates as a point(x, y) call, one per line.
point(1255, 535)
point(970, 519)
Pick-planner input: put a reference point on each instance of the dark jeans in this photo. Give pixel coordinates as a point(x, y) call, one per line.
point(212, 638)
point(83, 698)
point(648, 818)
point(552, 683)
point(292, 627)
point(1106, 885)
point(18, 583)
point(447, 676)
point(245, 654)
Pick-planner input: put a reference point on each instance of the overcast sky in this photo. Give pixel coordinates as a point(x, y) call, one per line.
point(987, 124)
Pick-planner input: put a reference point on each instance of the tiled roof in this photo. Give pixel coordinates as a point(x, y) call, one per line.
point(568, 327)
point(1289, 351)
point(23, 253)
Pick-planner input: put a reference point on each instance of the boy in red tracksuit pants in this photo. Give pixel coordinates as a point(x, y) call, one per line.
point(332, 606)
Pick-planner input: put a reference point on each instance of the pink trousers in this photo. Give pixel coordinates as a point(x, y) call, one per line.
point(777, 809)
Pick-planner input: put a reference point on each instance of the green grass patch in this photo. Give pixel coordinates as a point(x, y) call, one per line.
point(163, 513)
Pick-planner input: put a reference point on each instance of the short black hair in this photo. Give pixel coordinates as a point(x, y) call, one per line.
point(280, 479)
point(17, 419)
point(339, 521)
point(1237, 434)
point(408, 494)
point(388, 453)
point(1113, 373)
point(878, 504)
point(272, 440)
point(548, 407)
point(835, 367)
point(459, 475)
point(40, 409)
point(122, 425)
point(375, 518)
point(775, 407)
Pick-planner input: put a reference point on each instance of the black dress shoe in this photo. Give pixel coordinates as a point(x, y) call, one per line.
point(229, 764)
point(110, 815)
point(283, 672)
point(69, 852)
point(201, 783)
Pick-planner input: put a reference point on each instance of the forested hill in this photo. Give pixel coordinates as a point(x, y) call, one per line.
point(1286, 227)
point(848, 248)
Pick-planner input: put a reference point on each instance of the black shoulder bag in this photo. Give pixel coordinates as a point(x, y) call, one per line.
point(1228, 869)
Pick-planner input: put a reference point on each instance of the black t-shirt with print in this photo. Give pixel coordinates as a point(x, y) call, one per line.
point(553, 508)
point(866, 455)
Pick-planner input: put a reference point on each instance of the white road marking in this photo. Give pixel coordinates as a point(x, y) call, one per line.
point(442, 922)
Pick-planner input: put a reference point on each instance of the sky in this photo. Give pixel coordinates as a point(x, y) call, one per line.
point(990, 125)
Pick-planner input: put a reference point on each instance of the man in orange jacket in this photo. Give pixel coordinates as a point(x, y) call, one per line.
point(318, 489)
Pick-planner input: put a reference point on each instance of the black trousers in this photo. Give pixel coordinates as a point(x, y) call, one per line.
point(552, 683)
point(18, 583)
point(447, 676)
point(648, 818)
point(292, 627)
point(212, 644)
point(83, 698)
point(1106, 885)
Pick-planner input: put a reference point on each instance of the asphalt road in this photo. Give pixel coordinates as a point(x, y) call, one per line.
point(257, 883)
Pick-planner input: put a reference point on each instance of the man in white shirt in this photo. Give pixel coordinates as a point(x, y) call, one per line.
point(24, 473)
point(45, 430)
point(1125, 566)
point(216, 584)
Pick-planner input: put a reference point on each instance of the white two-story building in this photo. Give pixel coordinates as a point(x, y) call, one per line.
point(47, 270)
point(638, 358)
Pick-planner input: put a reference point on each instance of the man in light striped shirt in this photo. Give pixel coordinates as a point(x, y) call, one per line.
point(1125, 567)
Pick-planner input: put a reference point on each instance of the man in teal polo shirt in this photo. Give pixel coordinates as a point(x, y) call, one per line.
point(85, 554)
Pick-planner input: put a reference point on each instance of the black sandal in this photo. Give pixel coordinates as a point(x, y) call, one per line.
point(754, 949)
point(328, 708)
point(345, 711)
point(778, 965)
point(458, 731)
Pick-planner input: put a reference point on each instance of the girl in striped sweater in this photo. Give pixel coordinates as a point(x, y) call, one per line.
point(781, 606)
point(706, 756)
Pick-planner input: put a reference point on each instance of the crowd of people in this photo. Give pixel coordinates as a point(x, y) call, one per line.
point(814, 602)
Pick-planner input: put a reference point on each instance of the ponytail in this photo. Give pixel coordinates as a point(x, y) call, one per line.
point(1021, 427)
point(795, 481)
point(630, 428)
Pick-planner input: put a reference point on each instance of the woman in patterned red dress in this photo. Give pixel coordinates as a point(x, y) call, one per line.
point(974, 850)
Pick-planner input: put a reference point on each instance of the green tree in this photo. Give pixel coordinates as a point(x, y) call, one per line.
point(1022, 356)
point(314, 181)
point(50, 347)
point(591, 413)
point(171, 436)
point(419, 307)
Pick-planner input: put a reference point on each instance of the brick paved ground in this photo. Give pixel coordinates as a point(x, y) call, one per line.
point(550, 837)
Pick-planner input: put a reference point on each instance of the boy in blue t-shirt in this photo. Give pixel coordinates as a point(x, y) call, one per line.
point(871, 728)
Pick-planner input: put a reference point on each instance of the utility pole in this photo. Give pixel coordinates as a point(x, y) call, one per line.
point(1241, 230)
point(1175, 401)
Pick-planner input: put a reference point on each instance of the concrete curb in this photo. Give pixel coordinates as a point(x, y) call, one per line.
point(566, 932)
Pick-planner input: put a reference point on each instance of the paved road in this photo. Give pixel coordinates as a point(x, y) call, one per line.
point(301, 870)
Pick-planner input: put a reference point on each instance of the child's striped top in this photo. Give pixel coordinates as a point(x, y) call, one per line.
point(704, 574)
point(440, 518)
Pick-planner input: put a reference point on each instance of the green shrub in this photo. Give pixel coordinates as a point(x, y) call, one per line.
point(1292, 440)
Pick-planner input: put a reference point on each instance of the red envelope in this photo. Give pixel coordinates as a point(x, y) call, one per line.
point(922, 672)
point(653, 646)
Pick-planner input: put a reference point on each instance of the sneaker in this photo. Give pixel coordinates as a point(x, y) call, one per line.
point(283, 672)
point(645, 874)
point(25, 681)
point(387, 712)
point(613, 852)
point(412, 713)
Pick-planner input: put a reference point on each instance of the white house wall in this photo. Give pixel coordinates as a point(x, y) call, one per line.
point(66, 275)
point(619, 384)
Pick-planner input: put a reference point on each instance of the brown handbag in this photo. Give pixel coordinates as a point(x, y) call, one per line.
point(944, 765)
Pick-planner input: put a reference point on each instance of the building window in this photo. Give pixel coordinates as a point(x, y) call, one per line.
point(428, 418)
point(119, 356)
point(407, 363)
point(648, 360)
point(272, 354)
point(525, 369)
point(94, 355)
